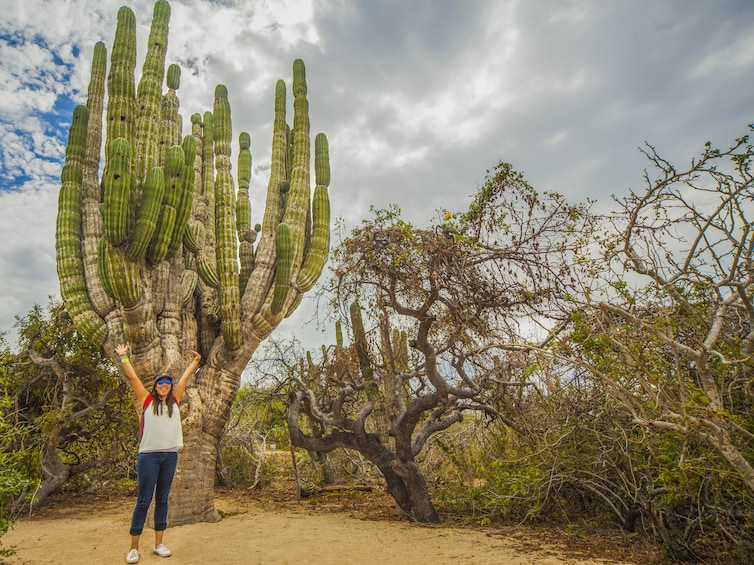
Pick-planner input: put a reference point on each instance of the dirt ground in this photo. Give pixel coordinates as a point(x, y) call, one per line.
point(273, 528)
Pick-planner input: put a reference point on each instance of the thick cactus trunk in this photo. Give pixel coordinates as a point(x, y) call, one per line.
point(162, 256)
point(204, 417)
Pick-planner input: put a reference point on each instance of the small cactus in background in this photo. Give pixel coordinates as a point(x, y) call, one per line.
point(160, 252)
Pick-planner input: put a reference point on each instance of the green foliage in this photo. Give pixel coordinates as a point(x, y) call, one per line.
point(256, 424)
point(14, 481)
point(575, 458)
point(68, 403)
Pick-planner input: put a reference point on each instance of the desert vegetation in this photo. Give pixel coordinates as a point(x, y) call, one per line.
point(525, 360)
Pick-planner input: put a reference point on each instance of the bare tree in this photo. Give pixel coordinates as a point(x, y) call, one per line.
point(55, 472)
point(430, 310)
point(675, 341)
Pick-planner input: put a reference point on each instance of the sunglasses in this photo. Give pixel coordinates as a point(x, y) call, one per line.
point(164, 380)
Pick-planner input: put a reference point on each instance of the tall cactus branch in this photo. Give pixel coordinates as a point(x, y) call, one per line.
point(227, 259)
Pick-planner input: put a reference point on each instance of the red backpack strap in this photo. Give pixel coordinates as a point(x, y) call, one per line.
point(147, 402)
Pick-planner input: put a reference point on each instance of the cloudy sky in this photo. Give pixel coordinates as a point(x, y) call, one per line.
point(419, 98)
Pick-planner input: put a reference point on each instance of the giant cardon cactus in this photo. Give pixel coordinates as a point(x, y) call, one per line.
point(160, 253)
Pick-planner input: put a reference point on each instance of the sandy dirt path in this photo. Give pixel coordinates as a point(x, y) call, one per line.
point(83, 532)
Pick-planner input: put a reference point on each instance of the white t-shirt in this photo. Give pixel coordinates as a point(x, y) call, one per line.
point(160, 431)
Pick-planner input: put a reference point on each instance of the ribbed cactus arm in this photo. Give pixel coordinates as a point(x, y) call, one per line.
point(103, 267)
point(243, 206)
point(68, 234)
point(319, 245)
point(298, 198)
point(338, 334)
point(246, 236)
point(203, 227)
point(149, 211)
point(118, 182)
point(273, 209)
point(360, 343)
point(170, 127)
point(185, 193)
point(283, 256)
point(372, 383)
point(148, 99)
point(91, 217)
point(121, 88)
point(262, 276)
point(208, 162)
point(193, 235)
point(123, 275)
point(225, 224)
point(174, 171)
point(95, 105)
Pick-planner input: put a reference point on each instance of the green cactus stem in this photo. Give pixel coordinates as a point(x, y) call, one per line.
point(246, 236)
point(174, 170)
point(193, 236)
point(243, 206)
point(283, 246)
point(319, 244)
point(360, 343)
point(124, 276)
point(170, 127)
point(149, 211)
point(208, 193)
point(371, 383)
point(91, 218)
point(227, 260)
point(118, 184)
point(173, 77)
point(185, 194)
point(278, 170)
point(68, 233)
point(298, 198)
point(246, 260)
point(207, 271)
point(102, 267)
point(321, 160)
point(338, 333)
point(95, 105)
point(148, 100)
point(121, 88)
point(208, 158)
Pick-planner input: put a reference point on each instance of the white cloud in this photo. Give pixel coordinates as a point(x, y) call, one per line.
point(418, 100)
point(27, 262)
point(735, 57)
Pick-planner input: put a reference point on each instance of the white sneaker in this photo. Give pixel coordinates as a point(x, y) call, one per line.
point(162, 551)
point(132, 556)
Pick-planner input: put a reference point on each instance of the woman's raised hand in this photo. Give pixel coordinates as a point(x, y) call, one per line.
point(121, 349)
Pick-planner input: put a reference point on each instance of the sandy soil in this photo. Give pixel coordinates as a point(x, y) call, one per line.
point(278, 530)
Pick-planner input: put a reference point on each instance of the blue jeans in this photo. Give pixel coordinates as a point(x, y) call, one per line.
point(155, 472)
